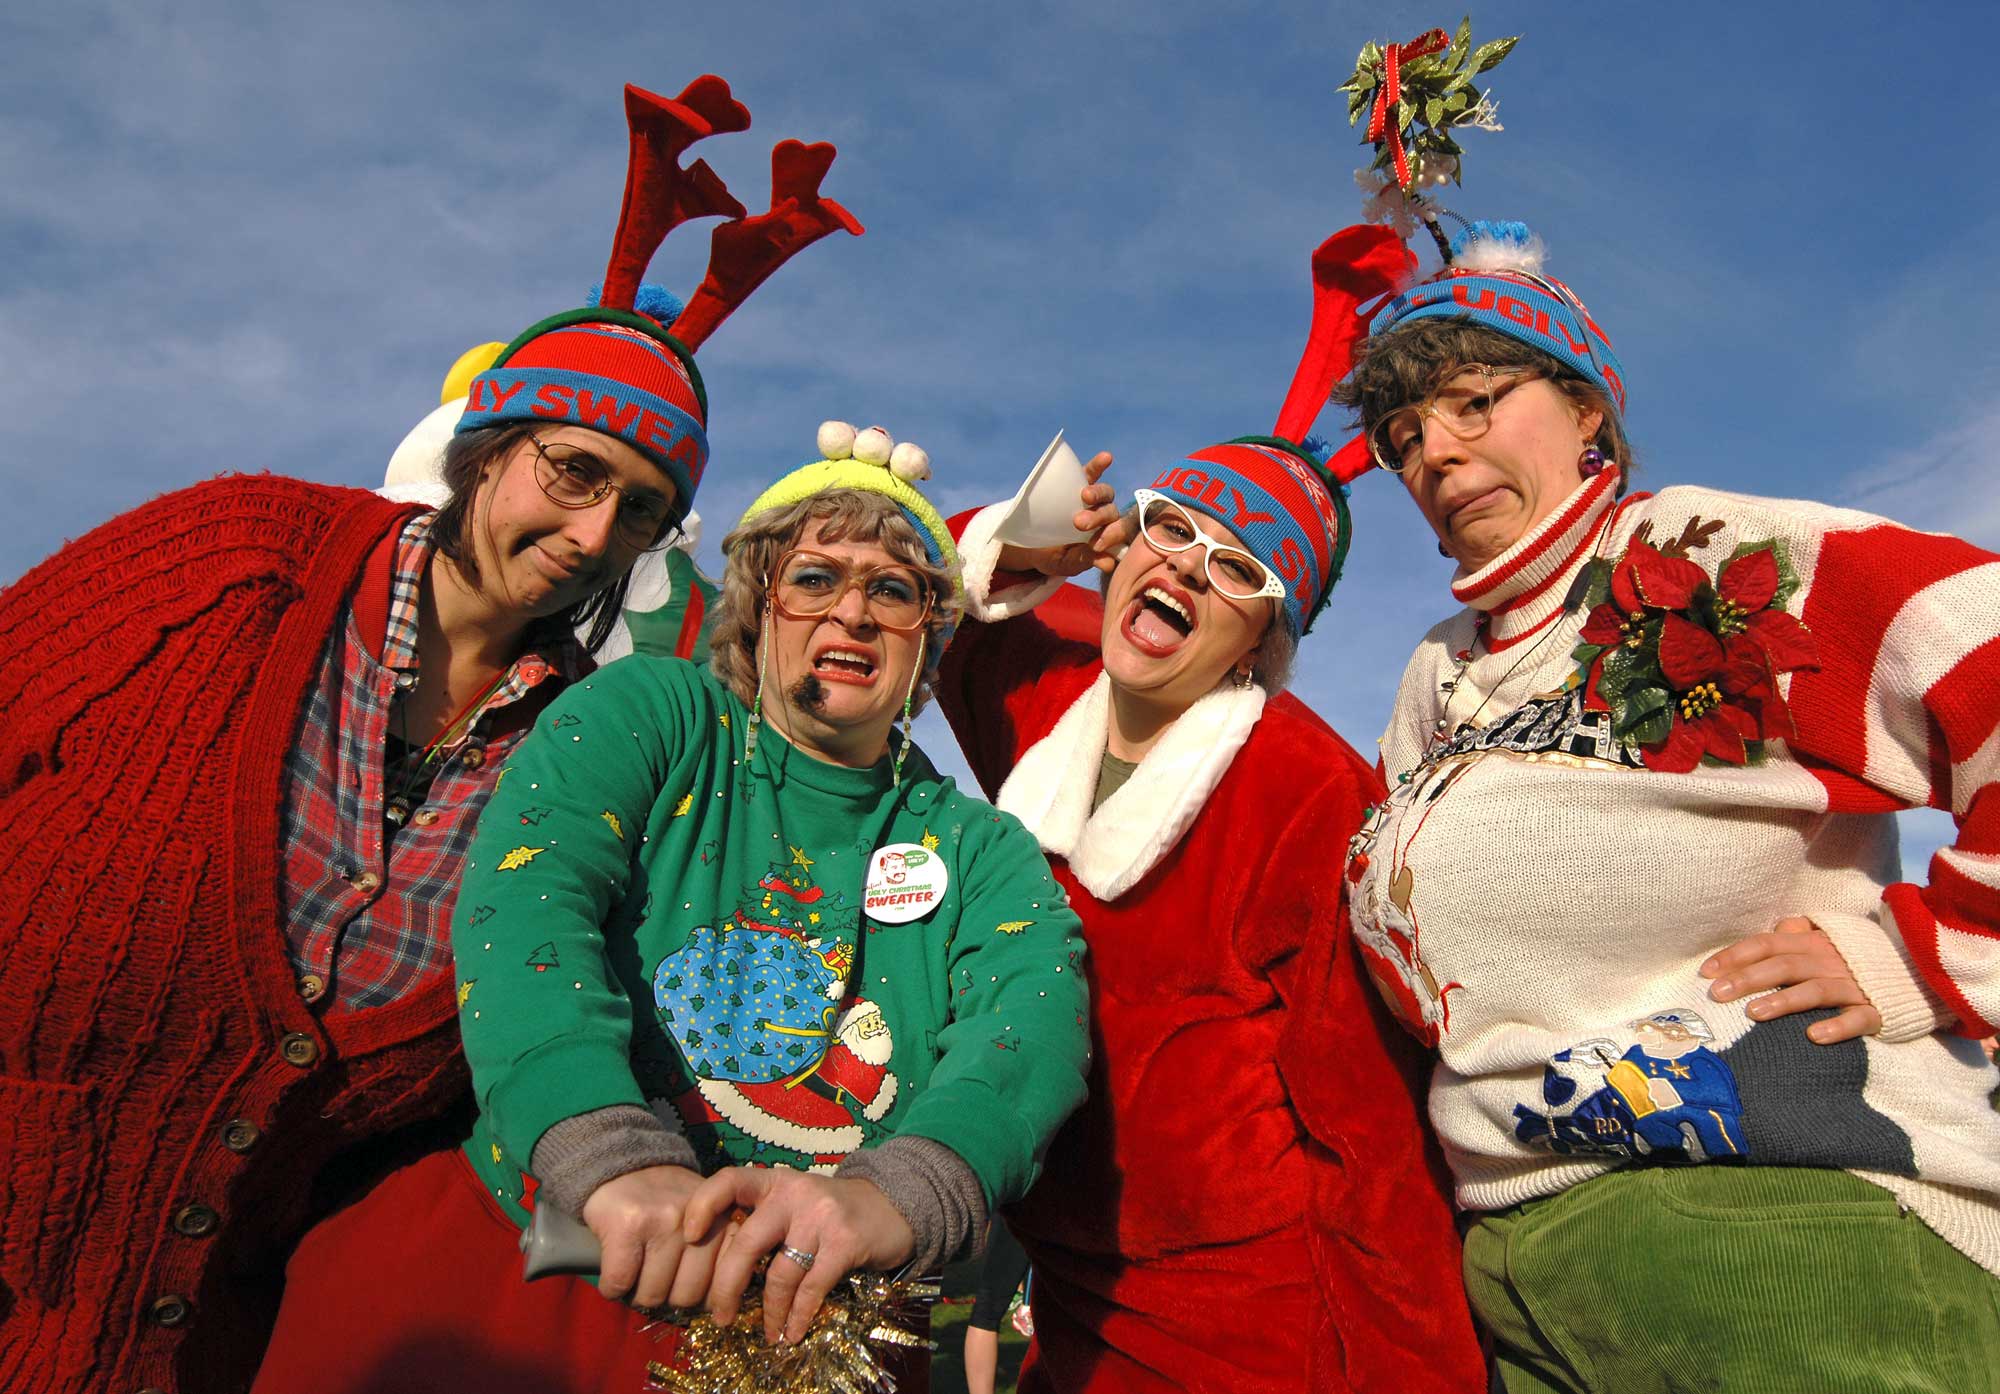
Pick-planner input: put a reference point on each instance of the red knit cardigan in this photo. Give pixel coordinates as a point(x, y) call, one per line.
point(1255, 1122)
point(167, 1102)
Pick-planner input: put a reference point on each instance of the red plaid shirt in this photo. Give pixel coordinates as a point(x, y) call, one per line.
point(367, 914)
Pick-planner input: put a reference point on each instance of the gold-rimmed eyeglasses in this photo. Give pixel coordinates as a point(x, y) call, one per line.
point(805, 585)
point(572, 477)
point(1463, 402)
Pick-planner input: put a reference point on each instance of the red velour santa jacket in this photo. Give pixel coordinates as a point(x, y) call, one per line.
point(1249, 1202)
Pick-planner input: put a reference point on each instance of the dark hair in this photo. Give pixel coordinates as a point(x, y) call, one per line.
point(1403, 365)
point(465, 462)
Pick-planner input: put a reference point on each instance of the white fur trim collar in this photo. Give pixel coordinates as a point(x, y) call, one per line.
point(1112, 850)
point(979, 557)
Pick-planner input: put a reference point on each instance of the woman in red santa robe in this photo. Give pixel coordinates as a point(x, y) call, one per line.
point(1248, 1202)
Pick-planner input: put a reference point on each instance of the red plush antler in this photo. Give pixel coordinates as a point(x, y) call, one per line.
point(743, 253)
point(659, 194)
point(1354, 267)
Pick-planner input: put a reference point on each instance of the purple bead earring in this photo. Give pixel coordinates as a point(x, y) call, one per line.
point(1591, 463)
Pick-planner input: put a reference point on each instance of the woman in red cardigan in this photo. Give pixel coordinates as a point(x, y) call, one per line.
point(248, 730)
point(1247, 1203)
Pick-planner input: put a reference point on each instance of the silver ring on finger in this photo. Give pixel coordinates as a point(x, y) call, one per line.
point(803, 1259)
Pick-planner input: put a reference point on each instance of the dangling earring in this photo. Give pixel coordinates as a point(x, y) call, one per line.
point(757, 706)
point(1245, 679)
point(909, 699)
point(1591, 463)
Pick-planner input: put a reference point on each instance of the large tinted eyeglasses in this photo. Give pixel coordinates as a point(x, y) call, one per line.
point(1463, 403)
point(574, 478)
point(1167, 527)
point(806, 584)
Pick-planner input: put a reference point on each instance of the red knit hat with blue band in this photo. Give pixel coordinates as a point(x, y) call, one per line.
point(617, 370)
point(1284, 502)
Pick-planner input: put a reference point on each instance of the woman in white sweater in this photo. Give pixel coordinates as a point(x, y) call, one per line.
point(1709, 1068)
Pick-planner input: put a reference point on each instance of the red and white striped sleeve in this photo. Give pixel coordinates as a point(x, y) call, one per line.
point(1905, 712)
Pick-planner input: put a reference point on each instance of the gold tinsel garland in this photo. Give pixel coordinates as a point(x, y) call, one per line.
point(867, 1315)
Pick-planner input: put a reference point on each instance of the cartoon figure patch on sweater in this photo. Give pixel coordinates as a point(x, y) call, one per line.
point(823, 1111)
point(1666, 1094)
point(758, 1007)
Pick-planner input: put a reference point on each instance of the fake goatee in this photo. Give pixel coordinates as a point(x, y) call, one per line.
point(809, 695)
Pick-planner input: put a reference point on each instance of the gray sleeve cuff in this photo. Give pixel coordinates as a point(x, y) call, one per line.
point(932, 1188)
point(580, 1154)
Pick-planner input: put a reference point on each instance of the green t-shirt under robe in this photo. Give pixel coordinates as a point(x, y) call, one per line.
point(645, 917)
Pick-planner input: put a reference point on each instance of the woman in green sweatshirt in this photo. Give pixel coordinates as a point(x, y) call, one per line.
point(727, 924)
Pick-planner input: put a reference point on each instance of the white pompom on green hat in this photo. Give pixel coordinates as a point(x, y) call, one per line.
point(869, 460)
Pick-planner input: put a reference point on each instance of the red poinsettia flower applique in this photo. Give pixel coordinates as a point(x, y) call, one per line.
point(1688, 668)
point(1643, 579)
point(1760, 642)
point(1708, 717)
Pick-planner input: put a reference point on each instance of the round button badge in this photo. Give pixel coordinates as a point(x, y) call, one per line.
point(905, 882)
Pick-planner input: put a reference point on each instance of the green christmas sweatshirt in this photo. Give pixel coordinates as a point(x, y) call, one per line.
point(802, 959)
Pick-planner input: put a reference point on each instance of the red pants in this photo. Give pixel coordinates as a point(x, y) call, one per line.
point(416, 1289)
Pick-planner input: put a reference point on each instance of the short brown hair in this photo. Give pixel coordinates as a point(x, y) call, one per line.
point(1405, 364)
point(465, 460)
point(845, 515)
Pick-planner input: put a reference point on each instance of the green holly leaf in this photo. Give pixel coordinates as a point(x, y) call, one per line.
point(1458, 101)
point(1489, 55)
point(1434, 110)
point(1461, 44)
point(1642, 707)
point(1406, 112)
point(1622, 668)
point(1356, 104)
point(1652, 730)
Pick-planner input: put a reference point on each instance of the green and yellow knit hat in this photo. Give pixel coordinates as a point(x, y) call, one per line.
point(870, 461)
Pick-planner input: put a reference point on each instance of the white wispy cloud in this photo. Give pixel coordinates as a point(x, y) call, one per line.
point(1949, 481)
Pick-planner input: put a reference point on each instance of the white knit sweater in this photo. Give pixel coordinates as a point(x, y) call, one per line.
point(1535, 901)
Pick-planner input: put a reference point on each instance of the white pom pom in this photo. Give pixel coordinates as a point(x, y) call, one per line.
point(872, 446)
point(836, 440)
point(909, 462)
point(1494, 254)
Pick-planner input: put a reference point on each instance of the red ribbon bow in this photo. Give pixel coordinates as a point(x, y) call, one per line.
point(1381, 124)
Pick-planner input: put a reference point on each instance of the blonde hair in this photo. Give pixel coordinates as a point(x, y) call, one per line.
point(845, 515)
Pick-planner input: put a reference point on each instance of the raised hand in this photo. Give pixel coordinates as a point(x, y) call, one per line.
point(1103, 532)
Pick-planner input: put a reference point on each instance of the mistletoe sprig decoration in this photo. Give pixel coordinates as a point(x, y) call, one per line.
point(1420, 92)
point(1688, 668)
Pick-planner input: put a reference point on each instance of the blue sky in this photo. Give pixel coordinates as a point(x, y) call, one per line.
point(253, 237)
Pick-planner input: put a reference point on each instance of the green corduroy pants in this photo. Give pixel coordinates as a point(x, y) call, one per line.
point(1741, 1278)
